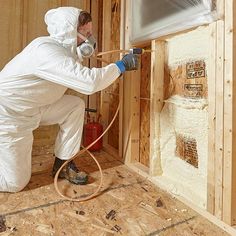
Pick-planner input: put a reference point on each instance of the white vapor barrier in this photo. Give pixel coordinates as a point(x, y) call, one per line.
point(151, 19)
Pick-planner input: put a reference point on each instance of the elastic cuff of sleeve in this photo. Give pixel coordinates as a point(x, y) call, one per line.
point(121, 66)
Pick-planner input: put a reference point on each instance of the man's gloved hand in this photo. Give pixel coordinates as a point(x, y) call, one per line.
point(128, 62)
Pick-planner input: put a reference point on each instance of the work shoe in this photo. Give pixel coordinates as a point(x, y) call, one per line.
point(69, 172)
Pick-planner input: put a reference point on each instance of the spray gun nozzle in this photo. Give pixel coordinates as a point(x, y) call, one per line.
point(137, 51)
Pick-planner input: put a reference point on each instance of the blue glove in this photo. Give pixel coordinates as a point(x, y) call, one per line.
point(127, 63)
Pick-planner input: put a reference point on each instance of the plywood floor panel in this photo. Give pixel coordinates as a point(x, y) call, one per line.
point(128, 205)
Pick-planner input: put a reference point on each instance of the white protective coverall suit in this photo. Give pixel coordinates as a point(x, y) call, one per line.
point(32, 87)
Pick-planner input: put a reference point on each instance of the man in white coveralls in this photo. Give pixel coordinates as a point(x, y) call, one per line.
point(32, 87)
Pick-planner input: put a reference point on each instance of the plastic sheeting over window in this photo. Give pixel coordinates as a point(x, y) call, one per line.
point(154, 18)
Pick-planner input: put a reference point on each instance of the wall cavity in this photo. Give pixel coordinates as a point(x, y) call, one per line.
point(184, 118)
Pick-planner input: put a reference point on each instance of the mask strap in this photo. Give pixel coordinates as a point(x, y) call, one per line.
point(81, 36)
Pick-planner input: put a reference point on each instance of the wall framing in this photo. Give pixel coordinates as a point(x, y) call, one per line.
point(111, 96)
point(221, 142)
point(222, 168)
point(222, 97)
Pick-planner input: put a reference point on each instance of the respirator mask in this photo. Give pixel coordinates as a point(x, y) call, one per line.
point(86, 49)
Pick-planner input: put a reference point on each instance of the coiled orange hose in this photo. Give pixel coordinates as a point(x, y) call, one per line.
point(79, 153)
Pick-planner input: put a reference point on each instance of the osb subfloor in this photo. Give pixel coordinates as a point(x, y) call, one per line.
point(127, 205)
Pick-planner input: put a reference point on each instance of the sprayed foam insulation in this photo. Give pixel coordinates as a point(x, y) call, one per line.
point(145, 108)
point(184, 117)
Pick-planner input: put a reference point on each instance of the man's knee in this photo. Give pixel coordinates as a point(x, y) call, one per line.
point(17, 187)
point(15, 184)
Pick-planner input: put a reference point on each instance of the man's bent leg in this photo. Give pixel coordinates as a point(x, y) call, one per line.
point(15, 161)
point(68, 112)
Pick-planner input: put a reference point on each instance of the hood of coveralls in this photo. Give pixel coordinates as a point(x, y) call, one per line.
point(62, 25)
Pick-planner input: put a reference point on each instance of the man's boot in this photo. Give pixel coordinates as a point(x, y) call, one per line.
point(69, 172)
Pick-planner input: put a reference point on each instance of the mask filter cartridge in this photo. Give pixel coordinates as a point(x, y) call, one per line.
point(86, 49)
